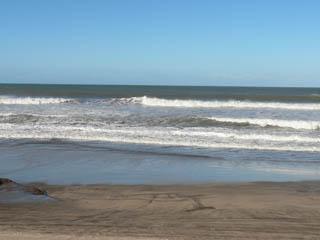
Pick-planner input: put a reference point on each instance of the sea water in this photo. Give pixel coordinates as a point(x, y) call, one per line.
point(158, 134)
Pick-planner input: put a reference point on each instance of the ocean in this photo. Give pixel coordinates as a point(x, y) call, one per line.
point(158, 134)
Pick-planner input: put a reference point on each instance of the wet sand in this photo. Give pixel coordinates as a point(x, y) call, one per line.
point(214, 211)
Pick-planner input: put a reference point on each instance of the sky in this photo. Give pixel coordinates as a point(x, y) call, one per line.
point(161, 42)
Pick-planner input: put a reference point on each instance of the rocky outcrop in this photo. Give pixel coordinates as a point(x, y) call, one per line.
point(5, 181)
point(9, 185)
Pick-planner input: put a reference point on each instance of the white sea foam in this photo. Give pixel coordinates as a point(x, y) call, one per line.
point(250, 136)
point(160, 137)
point(296, 124)
point(8, 100)
point(151, 101)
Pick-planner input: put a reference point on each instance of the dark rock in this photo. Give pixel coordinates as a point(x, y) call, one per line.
point(5, 181)
point(11, 185)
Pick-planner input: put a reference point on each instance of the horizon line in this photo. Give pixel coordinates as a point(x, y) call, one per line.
point(151, 85)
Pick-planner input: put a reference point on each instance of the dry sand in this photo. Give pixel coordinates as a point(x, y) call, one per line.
point(213, 211)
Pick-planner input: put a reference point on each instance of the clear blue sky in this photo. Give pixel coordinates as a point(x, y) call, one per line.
point(178, 42)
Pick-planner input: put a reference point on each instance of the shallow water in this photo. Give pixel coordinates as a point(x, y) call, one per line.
point(85, 163)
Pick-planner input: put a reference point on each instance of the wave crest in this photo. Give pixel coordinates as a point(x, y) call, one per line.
point(160, 102)
point(296, 124)
point(32, 100)
point(163, 137)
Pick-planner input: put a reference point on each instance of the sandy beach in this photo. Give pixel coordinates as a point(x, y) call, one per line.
point(261, 210)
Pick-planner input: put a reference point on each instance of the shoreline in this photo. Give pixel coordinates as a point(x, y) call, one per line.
point(254, 210)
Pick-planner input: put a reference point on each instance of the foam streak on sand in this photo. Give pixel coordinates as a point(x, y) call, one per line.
point(152, 101)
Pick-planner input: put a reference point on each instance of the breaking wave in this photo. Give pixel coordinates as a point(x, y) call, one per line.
point(159, 102)
point(32, 100)
point(164, 121)
point(163, 137)
point(296, 124)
